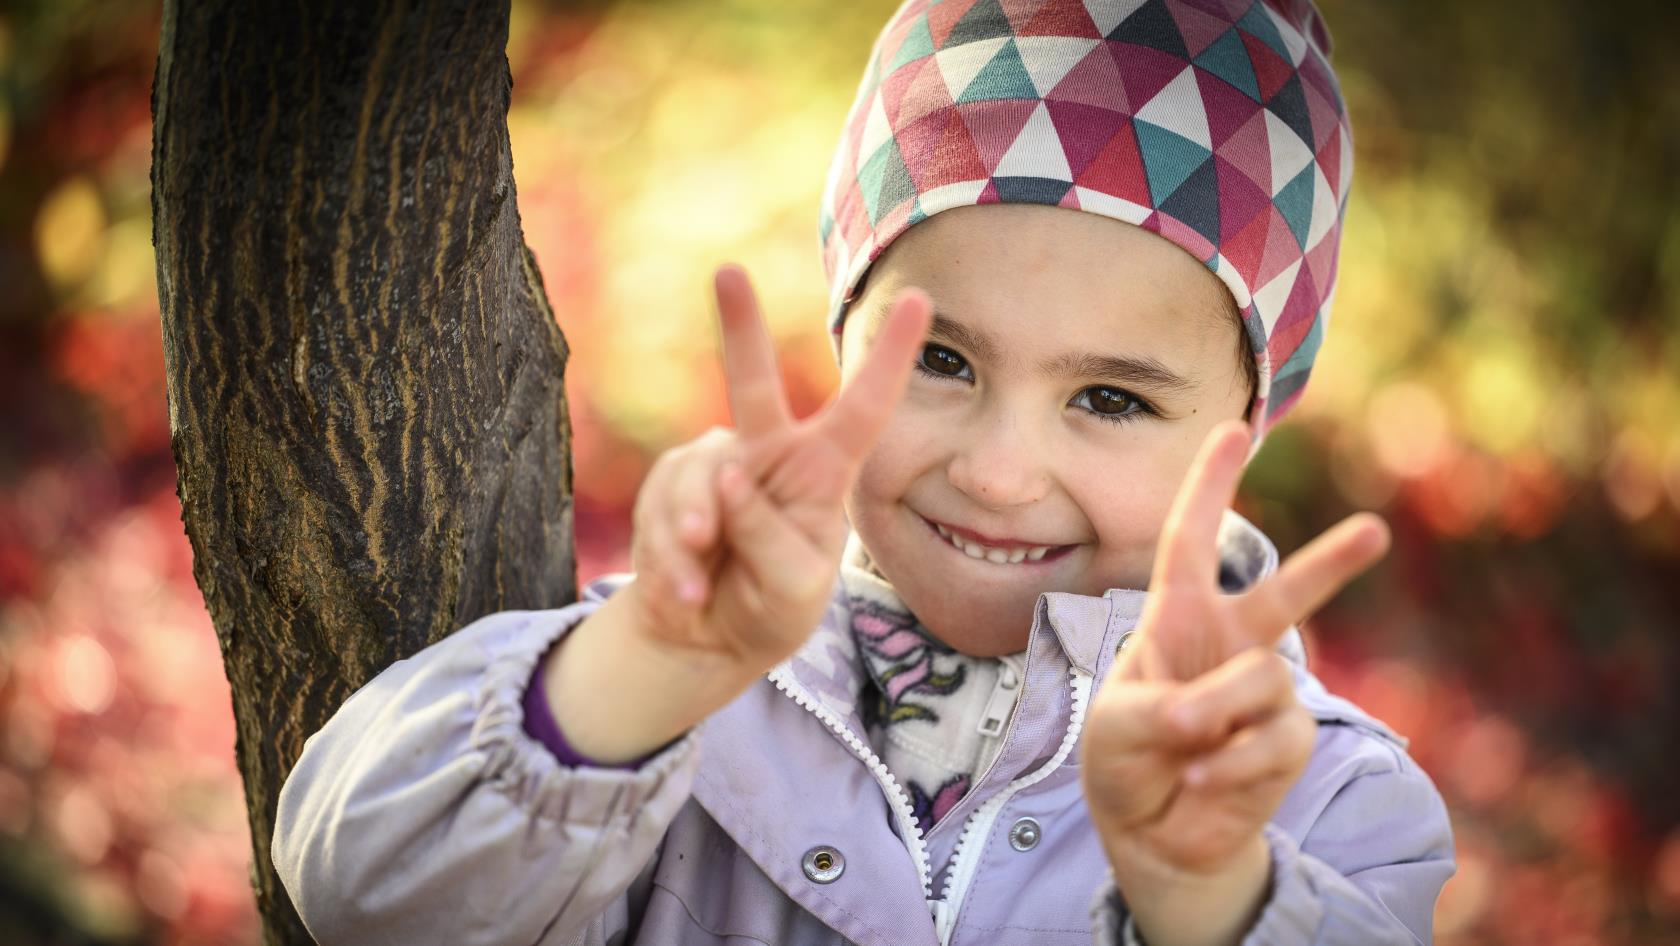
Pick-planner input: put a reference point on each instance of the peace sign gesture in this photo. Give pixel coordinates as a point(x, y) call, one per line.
point(1196, 736)
point(739, 533)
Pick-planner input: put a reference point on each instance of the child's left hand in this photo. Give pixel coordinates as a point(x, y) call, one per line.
point(1196, 736)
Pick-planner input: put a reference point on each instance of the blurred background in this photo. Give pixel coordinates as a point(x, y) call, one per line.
point(1499, 382)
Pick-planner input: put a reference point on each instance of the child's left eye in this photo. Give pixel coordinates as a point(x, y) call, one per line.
point(1114, 405)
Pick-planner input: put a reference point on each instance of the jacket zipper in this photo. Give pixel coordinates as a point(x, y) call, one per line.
point(965, 857)
point(899, 799)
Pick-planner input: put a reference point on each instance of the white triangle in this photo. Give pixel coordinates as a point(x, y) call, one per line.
point(1108, 205)
point(1037, 151)
point(1271, 297)
point(960, 194)
point(1324, 209)
point(1344, 175)
point(876, 130)
point(1050, 58)
point(1292, 38)
point(1178, 109)
point(1289, 153)
point(960, 64)
point(1109, 15)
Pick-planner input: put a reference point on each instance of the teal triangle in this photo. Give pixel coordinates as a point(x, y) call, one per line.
point(1260, 26)
point(825, 225)
point(1005, 77)
point(1226, 58)
point(917, 44)
point(916, 214)
point(1295, 202)
point(1168, 158)
point(885, 181)
point(984, 20)
point(1292, 376)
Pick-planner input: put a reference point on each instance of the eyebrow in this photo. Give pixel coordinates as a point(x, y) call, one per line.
point(1140, 370)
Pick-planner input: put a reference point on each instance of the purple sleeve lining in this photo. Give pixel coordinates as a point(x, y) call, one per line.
point(540, 725)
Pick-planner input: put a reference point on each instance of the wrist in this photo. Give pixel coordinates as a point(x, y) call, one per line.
point(1172, 906)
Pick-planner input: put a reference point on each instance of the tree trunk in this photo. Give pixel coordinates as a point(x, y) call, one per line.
point(364, 375)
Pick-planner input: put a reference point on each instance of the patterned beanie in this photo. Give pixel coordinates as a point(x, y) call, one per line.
point(1217, 124)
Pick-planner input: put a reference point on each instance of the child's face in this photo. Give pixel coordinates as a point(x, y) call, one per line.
point(1003, 444)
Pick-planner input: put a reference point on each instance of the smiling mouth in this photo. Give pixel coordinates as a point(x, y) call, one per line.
point(1012, 555)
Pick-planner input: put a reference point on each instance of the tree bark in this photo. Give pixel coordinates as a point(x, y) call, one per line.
point(365, 379)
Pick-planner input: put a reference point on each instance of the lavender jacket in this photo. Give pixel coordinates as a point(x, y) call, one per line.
point(424, 813)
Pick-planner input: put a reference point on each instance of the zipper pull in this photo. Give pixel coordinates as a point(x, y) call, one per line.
point(941, 919)
point(1000, 702)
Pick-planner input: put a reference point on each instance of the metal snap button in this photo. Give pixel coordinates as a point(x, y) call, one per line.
point(1125, 639)
point(823, 864)
point(1024, 835)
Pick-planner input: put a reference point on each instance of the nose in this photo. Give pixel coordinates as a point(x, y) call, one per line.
point(996, 465)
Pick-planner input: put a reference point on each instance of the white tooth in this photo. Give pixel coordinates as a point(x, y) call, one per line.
point(974, 551)
point(1017, 555)
point(997, 555)
point(1035, 554)
point(942, 530)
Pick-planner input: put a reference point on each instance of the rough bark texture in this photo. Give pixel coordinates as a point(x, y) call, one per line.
point(364, 374)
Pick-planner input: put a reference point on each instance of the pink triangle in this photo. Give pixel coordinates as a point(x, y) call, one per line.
point(1070, 199)
point(1144, 71)
point(1185, 236)
point(1295, 321)
point(995, 124)
point(1240, 201)
point(989, 194)
point(925, 93)
point(1224, 9)
point(1249, 151)
point(1095, 81)
point(1321, 262)
point(938, 151)
point(897, 88)
point(1227, 109)
point(943, 18)
point(1315, 74)
point(1020, 12)
point(1118, 169)
point(1269, 68)
point(1247, 247)
point(1083, 130)
point(1059, 19)
point(1281, 249)
point(1323, 116)
point(1329, 160)
point(1199, 29)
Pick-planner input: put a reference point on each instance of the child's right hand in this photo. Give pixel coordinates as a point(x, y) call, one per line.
point(738, 538)
point(738, 533)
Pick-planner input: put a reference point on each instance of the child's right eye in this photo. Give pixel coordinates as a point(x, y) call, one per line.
point(941, 362)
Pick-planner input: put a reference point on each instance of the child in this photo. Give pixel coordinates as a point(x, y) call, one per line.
point(890, 674)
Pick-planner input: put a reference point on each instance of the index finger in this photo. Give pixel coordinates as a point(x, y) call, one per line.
point(856, 417)
point(756, 399)
point(1189, 552)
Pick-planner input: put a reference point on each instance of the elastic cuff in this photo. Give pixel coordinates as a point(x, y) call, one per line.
point(540, 725)
point(1295, 909)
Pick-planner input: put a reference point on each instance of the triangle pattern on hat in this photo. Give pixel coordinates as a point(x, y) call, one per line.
point(1118, 169)
point(1289, 152)
point(1031, 190)
point(1227, 58)
point(925, 92)
point(1227, 109)
point(1246, 247)
point(1281, 248)
point(1083, 129)
point(1005, 77)
point(1240, 199)
point(1259, 25)
point(1178, 109)
point(917, 44)
point(1105, 16)
point(876, 129)
point(1322, 114)
point(1094, 81)
point(1295, 202)
point(984, 20)
point(1270, 69)
point(1061, 19)
point(1324, 208)
point(1048, 59)
point(1187, 237)
point(994, 125)
point(1143, 71)
point(960, 64)
point(939, 150)
point(943, 18)
point(1037, 151)
point(1329, 160)
point(1290, 105)
point(1198, 28)
point(1152, 26)
point(885, 182)
point(1196, 202)
point(1109, 205)
point(1249, 151)
point(1170, 158)
point(1269, 298)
